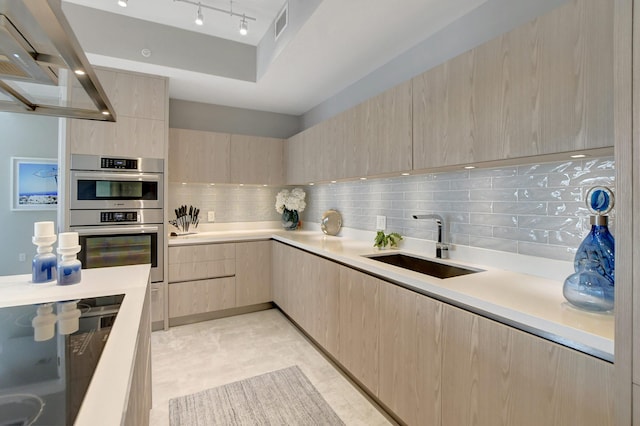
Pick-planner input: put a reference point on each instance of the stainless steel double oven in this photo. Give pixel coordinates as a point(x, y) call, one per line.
point(117, 209)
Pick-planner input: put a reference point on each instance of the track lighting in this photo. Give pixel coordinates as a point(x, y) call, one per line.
point(199, 16)
point(122, 3)
point(244, 24)
point(244, 27)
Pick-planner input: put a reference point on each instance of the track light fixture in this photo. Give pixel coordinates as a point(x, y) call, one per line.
point(199, 16)
point(244, 24)
point(122, 3)
point(244, 27)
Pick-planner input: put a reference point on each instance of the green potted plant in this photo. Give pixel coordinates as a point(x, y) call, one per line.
point(382, 240)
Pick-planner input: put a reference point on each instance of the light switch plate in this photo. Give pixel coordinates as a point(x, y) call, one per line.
point(381, 223)
point(211, 216)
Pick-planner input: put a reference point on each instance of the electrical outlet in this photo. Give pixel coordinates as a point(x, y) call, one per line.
point(381, 223)
point(22, 257)
point(211, 216)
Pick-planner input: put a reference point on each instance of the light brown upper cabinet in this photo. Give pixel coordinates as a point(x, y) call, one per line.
point(211, 157)
point(141, 105)
point(256, 160)
point(372, 138)
point(198, 157)
point(294, 158)
point(545, 87)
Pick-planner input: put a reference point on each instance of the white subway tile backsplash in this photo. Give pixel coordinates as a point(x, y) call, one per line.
point(534, 209)
point(500, 244)
point(494, 195)
point(546, 250)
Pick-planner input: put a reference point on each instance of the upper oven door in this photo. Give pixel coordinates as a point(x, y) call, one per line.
point(116, 190)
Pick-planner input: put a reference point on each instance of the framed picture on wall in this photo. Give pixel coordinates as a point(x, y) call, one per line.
point(34, 183)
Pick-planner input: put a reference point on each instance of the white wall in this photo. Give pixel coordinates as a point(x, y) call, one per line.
point(22, 136)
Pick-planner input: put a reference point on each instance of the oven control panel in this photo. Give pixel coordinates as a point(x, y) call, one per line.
point(115, 217)
point(118, 163)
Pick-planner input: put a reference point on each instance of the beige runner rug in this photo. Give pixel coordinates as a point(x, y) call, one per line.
point(282, 397)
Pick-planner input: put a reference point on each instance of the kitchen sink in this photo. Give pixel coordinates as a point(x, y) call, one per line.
point(423, 266)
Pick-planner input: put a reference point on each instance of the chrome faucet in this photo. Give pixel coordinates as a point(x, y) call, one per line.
point(442, 249)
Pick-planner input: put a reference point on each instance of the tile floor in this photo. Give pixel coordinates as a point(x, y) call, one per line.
point(199, 356)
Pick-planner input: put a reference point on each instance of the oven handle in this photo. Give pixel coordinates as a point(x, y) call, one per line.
point(117, 230)
point(117, 176)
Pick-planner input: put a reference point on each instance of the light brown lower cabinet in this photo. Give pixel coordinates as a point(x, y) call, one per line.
point(493, 374)
point(410, 355)
point(359, 326)
point(157, 306)
point(306, 287)
point(202, 296)
point(138, 405)
point(434, 364)
point(253, 273)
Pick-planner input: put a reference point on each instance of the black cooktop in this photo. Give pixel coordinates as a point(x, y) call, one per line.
point(45, 375)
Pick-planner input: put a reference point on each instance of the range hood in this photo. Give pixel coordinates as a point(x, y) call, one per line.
point(43, 69)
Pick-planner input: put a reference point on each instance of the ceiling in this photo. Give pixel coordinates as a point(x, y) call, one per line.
point(182, 15)
point(340, 43)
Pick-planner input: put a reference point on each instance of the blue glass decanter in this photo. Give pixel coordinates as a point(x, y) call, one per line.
point(598, 251)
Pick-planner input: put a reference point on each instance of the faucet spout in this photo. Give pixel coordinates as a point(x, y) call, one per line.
point(442, 249)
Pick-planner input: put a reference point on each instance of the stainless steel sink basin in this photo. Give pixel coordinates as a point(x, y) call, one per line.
point(423, 266)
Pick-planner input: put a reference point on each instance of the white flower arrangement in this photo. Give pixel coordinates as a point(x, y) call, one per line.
point(290, 200)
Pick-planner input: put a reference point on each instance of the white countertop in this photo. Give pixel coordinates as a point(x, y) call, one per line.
point(108, 390)
point(527, 302)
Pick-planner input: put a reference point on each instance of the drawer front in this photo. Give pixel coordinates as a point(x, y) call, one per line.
point(197, 297)
point(201, 262)
point(201, 253)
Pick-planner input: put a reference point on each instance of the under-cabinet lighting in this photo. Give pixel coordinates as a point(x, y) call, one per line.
point(265, 185)
point(105, 112)
point(122, 3)
point(79, 72)
point(242, 184)
point(334, 181)
point(311, 183)
point(469, 167)
point(579, 156)
point(184, 183)
point(363, 178)
point(405, 174)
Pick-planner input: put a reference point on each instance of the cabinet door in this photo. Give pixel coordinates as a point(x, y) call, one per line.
point(202, 296)
point(129, 136)
point(196, 156)
point(157, 306)
point(410, 355)
point(280, 275)
point(320, 300)
point(493, 374)
point(388, 130)
point(256, 160)
point(359, 326)
point(187, 263)
point(306, 287)
point(138, 404)
point(253, 273)
point(135, 95)
point(295, 159)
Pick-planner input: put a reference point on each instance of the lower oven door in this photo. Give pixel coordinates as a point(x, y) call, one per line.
point(104, 246)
